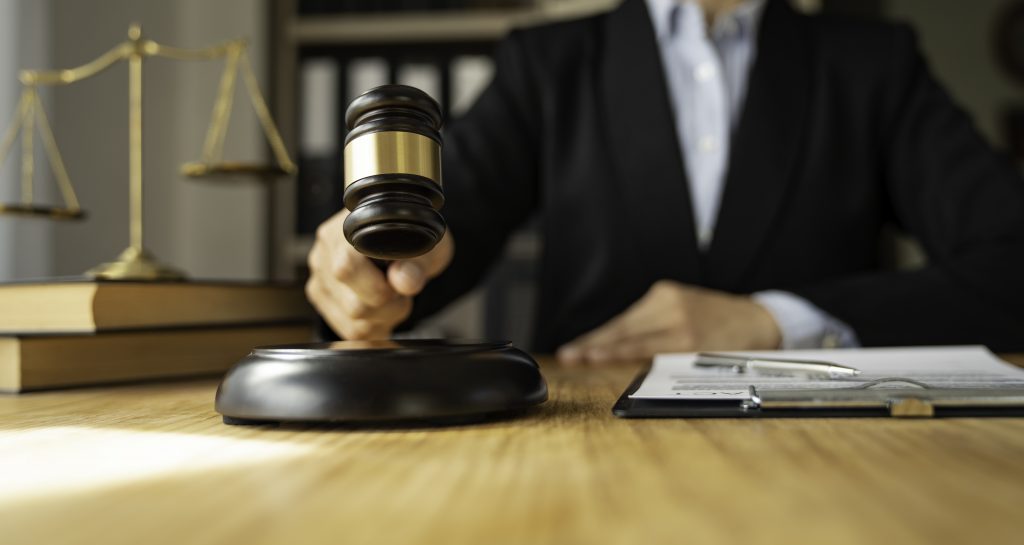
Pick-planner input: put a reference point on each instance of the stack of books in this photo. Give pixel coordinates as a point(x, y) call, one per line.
point(73, 333)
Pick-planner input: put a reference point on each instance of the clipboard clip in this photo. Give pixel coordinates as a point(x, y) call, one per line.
point(905, 406)
point(901, 403)
point(892, 380)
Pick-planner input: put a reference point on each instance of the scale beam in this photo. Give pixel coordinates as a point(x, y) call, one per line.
point(135, 263)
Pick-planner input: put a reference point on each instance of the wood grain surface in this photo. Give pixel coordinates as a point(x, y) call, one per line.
point(154, 464)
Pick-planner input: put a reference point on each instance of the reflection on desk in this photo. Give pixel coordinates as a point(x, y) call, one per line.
point(153, 464)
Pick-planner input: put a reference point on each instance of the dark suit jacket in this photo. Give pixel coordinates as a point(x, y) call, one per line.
point(843, 131)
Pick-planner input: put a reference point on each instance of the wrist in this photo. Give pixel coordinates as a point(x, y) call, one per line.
point(802, 324)
point(766, 334)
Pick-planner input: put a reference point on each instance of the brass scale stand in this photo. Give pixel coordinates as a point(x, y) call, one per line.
point(135, 263)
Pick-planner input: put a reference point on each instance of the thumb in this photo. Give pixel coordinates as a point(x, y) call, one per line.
point(409, 276)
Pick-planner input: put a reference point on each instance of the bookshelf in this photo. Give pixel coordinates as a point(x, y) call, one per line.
point(416, 27)
point(451, 24)
point(323, 55)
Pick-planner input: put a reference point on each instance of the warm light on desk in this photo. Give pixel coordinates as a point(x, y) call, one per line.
point(153, 464)
point(39, 463)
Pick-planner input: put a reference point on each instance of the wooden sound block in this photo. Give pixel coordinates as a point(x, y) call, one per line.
point(432, 381)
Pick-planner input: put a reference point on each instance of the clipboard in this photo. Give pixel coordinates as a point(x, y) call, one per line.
point(900, 398)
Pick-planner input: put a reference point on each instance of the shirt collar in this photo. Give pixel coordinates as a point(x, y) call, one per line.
point(741, 22)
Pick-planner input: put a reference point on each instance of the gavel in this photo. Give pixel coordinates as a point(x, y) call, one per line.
point(393, 192)
point(392, 176)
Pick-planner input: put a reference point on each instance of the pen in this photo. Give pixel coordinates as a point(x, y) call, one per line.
point(743, 364)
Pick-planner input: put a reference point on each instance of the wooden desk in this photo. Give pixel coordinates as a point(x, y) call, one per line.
point(154, 464)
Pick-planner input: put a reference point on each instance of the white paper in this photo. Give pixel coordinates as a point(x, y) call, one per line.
point(673, 376)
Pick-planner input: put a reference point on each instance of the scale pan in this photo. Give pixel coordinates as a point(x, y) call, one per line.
point(53, 212)
point(227, 169)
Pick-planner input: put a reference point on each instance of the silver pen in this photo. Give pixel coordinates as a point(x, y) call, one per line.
point(742, 364)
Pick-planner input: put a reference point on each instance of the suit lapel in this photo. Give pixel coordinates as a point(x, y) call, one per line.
point(765, 148)
point(645, 149)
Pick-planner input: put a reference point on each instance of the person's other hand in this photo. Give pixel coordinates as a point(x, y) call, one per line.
point(353, 295)
point(675, 317)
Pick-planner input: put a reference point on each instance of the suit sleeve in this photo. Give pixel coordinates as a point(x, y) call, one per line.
point(965, 204)
point(490, 159)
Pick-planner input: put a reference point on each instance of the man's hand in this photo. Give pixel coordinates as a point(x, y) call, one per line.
point(675, 317)
point(353, 295)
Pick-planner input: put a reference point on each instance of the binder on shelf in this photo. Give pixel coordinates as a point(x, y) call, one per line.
point(423, 75)
point(470, 75)
point(363, 73)
point(319, 136)
point(319, 192)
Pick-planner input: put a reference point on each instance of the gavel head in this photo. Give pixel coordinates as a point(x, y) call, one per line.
point(393, 173)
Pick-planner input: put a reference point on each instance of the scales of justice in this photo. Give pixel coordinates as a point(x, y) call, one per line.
point(135, 263)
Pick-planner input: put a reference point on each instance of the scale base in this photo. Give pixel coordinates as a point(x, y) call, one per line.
point(134, 264)
point(419, 382)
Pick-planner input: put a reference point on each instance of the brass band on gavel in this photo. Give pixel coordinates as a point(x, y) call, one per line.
point(393, 173)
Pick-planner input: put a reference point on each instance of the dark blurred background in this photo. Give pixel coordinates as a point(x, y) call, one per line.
point(312, 57)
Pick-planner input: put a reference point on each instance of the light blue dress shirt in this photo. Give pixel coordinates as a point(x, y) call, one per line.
point(706, 68)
